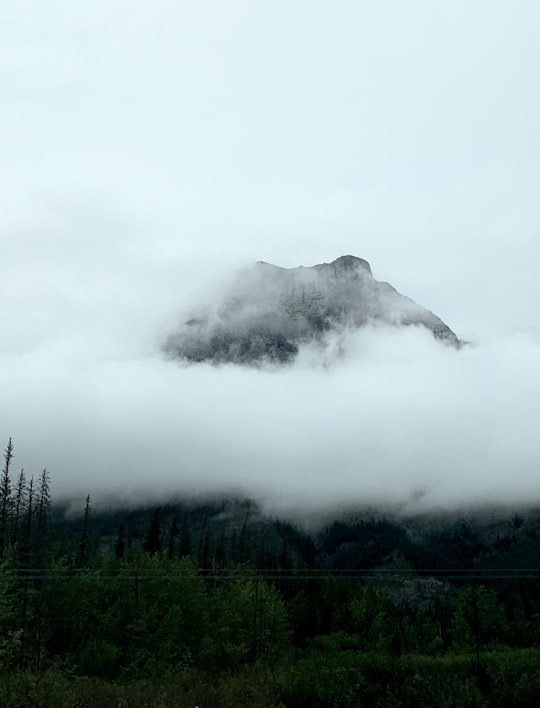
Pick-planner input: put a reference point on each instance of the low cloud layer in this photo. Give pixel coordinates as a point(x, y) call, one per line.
point(381, 415)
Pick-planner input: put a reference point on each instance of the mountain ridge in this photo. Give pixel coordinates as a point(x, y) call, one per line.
point(269, 312)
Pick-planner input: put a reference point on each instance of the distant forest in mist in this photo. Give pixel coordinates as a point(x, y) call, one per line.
point(215, 603)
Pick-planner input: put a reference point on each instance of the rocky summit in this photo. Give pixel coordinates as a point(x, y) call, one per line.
point(269, 312)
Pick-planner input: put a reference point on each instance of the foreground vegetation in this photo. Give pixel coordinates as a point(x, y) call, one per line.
point(213, 604)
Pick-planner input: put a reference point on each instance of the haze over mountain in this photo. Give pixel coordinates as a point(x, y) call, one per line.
point(269, 312)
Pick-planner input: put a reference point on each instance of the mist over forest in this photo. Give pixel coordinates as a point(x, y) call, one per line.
point(379, 416)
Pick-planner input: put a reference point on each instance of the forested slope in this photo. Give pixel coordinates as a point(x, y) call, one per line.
point(215, 603)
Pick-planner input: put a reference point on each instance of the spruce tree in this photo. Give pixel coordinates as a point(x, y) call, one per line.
point(43, 504)
point(5, 496)
point(120, 545)
point(172, 537)
point(152, 541)
point(81, 557)
point(18, 506)
point(185, 539)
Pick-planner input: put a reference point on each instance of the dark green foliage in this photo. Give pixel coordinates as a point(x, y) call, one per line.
point(152, 540)
point(226, 607)
point(18, 507)
point(120, 545)
point(298, 543)
point(83, 552)
point(185, 540)
point(172, 538)
point(365, 544)
point(6, 501)
point(455, 548)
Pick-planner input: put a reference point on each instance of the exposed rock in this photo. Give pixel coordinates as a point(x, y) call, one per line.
point(270, 312)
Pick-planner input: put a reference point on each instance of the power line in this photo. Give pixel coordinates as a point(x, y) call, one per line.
point(271, 574)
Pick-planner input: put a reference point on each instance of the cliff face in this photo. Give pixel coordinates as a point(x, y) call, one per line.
point(270, 311)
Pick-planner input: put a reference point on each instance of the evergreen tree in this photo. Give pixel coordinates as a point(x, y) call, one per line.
point(25, 563)
point(185, 540)
point(26, 550)
point(243, 542)
point(44, 500)
point(201, 540)
point(18, 506)
point(5, 496)
point(172, 537)
point(83, 551)
point(152, 540)
point(221, 553)
point(42, 511)
point(120, 545)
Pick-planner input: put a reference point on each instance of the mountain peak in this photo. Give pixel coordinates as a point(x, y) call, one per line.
point(347, 264)
point(270, 311)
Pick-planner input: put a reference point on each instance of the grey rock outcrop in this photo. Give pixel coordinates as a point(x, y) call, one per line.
point(269, 312)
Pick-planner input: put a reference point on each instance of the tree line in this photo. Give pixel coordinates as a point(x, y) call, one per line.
point(168, 607)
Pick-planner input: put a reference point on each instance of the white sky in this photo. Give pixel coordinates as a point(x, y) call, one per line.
point(147, 149)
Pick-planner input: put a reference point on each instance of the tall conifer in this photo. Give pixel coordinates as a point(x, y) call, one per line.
point(5, 496)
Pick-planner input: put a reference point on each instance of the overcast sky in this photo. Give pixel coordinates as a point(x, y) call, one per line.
point(150, 149)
